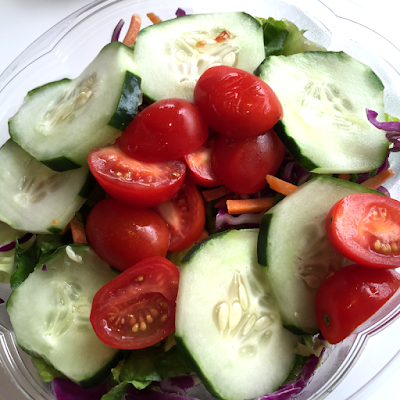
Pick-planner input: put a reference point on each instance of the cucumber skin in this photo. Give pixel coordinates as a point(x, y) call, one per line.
point(60, 164)
point(128, 103)
point(293, 148)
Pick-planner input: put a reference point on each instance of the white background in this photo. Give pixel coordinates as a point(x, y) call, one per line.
point(23, 21)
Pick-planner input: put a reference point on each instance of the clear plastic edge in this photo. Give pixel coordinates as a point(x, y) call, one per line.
point(356, 342)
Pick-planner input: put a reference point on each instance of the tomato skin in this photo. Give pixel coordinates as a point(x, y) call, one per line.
point(242, 165)
point(136, 182)
point(199, 162)
point(350, 296)
point(123, 235)
point(165, 130)
point(365, 228)
point(236, 103)
point(145, 295)
point(185, 217)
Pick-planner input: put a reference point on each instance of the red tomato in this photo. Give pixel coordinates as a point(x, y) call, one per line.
point(123, 235)
point(136, 182)
point(165, 130)
point(137, 308)
point(236, 103)
point(199, 163)
point(350, 296)
point(185, 216)
point(242, 165)
point(365, 228)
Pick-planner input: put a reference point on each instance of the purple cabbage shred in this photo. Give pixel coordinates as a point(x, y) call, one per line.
point(180, 13)
point(149, 394)
point(1, 301)
point(223, 218)
point(117, 31)
point(44, 268)
point(7, 246)
point(64, 389)
point(392, 129)
point(177, 385)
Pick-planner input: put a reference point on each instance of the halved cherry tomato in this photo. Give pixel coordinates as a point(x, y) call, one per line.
point(136, 182)
point(185, 217)
point(242, 165)
point(137, 308)
point(123, 235)
point(365, 228)
point(199, 163)
point(350, 296)
point(165, 130)
point(236, 103)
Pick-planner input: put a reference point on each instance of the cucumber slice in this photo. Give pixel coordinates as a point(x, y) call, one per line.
point(61, 122)
point(227, 322)
point(35, 198)
point(295, 250)
point(50, 311)
point(183, 48)
point(324, 97)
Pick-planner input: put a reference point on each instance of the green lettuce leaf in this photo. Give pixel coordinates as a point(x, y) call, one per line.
point(282, 37)
point(46, 372)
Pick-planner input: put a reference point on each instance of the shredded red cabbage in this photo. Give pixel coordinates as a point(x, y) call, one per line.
point(11, 245)
point(1, 301)
point(225, 219)
point(180, 13)
point(64, 389)
point(177, 385)
point(44, 268)
point(392, 129)
point(117, 31)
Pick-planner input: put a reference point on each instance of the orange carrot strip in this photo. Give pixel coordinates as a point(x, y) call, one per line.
point(154, 18)
point(280, 185)
point(77, 230)
point(344, 177)
point(378, 180)
point(133, 30)
point(223, 200)
point(247, 206)
point(217, 193)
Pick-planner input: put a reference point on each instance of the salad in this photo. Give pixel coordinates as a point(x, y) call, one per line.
point(49, 255)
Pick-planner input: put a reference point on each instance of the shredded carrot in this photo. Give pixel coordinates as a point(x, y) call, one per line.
point(77, 230)
point(217, 193)
point(155, 19)
point(247, 206)
point(66, 229)
point(133, 30)
point(344, 177)
point(378, 180)
point(222, 200)
point(280, 185)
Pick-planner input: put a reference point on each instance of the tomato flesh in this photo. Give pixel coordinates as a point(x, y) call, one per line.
point(166, 130)
point(123, 235)
point(350, 296)
point(136, 182)
point(242, 165)
point(137, 308)
point(365, 228)
point(236, 103)
point(185, 217)
point(199, 162)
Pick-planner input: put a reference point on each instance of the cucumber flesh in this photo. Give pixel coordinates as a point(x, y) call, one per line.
point(61, 122)
point(183, 48)
point(35, 198)
point(324, 97)
point(296, 252)
point(227, 322)
point(50, 311)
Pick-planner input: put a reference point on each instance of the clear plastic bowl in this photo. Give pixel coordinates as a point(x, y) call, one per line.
point(356, 366)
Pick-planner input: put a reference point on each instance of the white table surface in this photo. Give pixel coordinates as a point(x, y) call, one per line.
point(23, 21)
